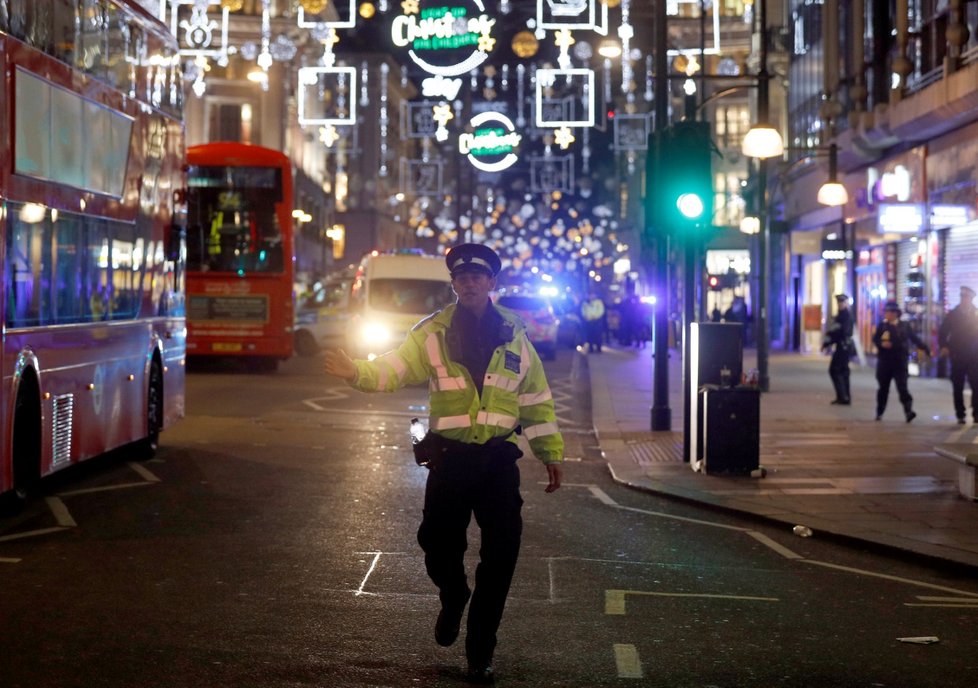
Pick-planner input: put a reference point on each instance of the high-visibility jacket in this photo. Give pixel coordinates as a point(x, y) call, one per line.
point(514, 391)
point(592, 309)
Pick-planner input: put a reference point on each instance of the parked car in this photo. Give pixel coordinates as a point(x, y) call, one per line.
point(542, 324)
point(321, 317)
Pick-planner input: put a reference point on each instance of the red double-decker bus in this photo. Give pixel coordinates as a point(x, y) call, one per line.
point(92, 146)
point(240, 252)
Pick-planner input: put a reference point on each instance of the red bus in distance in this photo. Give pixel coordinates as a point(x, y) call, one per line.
point(240, 252)
point(92, 140)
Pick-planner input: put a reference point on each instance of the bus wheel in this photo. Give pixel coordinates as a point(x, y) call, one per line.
point(154, 413)
point(26, 447)
point(305, 343)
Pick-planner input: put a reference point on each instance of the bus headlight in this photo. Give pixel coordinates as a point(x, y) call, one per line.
point(375, 334)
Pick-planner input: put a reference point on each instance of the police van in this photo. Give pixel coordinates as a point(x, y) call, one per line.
point(391, 292)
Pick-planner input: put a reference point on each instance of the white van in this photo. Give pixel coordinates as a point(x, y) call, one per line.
point(391, 292)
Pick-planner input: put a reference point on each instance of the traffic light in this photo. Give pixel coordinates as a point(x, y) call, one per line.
point(679, 183)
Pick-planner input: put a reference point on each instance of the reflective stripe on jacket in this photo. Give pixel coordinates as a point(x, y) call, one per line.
point(514, 391)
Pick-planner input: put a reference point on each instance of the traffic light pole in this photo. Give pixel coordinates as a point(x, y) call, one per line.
point(661, 415)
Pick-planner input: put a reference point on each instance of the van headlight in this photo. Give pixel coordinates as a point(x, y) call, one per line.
point(375, 334)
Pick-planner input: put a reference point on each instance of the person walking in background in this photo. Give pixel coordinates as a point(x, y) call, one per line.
point(839, 335)
point(892, 339)
point(958, 339)
point(592, 311)
point(486, 382)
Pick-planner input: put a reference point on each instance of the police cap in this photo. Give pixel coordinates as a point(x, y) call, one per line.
point(892, 306)
point(967, 290)
point(842, 297)
point(472, 257)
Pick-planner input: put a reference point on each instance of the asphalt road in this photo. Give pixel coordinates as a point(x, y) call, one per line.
point(272, 544)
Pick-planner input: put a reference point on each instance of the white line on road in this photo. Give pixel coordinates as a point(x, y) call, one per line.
point(614, 600)
point(885, 576)
point(973, 605)
point(780, 549)
point(627, 661)
point(935, 598)
point(9, 560)
point(61, 513)
point(373, 565)
point(105, 488)
point(144, 472)
point(30, 533)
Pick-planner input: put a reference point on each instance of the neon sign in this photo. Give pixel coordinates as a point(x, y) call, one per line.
point(494, 135)
point(441, 28)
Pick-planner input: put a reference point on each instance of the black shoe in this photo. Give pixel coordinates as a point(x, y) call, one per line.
point(910, 416)
point(961, 421)
point(841, 402)
point(449, 622)
point(480, 673)
point(879, 416)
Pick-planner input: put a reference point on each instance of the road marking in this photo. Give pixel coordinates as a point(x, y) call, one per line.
point(627, 661)
point(614, 600)
point(363, 583)
point(780, 549)
point(31, 533)
point(104, 488)
point(331, 394)
point(144, 472)
point(937, 601)
point(61, 513)
point(886, 576)
point(550, 573)
point(9, 560)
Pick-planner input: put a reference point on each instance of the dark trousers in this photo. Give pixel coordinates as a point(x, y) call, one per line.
point(456, 489)
point(595, 333)
point(839, 372)
point(885, 372)
point(961, 371)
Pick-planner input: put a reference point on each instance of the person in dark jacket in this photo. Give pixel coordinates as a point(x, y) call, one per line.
point(958, 339)
point(839, 335)
point(892, 338)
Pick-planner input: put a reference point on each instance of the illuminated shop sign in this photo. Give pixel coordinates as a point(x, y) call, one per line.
point(949, 216)
point(900, 218)
point(491, 144)
point(444, 40)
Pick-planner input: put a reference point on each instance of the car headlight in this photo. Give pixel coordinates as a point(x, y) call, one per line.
point(375, 334)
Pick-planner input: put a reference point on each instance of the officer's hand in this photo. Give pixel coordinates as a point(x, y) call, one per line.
point(340, 365)
point(554, 472)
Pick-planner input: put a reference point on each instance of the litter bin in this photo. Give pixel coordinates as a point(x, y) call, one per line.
point(731, 429)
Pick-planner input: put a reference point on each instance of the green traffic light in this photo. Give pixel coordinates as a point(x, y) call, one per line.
point(690, 205)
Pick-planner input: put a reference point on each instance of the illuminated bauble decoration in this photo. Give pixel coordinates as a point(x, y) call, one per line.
point(232, 5)
point(313, 6)
point(367, 10)
point(525, 44)
point(611, 3)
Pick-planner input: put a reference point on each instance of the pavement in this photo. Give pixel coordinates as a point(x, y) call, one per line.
point(834, 469)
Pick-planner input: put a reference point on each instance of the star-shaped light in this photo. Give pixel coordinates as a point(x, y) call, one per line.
point(328, 135)
point(489, 71)
point(564, 40)
point(486, 42)
point(410, 6)
point(563, 137)
point(442, 113)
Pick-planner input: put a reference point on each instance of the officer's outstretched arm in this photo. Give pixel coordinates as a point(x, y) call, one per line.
point(338, 363)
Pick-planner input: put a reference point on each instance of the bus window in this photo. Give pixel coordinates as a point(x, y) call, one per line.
point(96, 286)
point(91, 37)
point(121, 63)
point(68, 269)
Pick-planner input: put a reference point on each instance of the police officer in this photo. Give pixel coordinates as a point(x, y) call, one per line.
point(892, 338)
point(839, 334)
point(486, 381)
point(958, 339)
